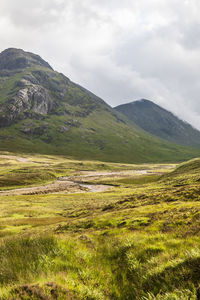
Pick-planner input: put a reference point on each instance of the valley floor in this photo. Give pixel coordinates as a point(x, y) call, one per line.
point(93, 230)
point(79, 183)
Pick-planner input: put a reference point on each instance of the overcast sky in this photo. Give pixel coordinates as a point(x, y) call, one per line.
point(120, 50)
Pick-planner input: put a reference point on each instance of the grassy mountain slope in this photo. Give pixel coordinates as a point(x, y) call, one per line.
point(42, 111)
point(191, 167)
point(160, 122)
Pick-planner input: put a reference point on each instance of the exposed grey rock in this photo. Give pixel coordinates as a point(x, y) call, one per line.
point(26, 130)
point(49, 81)
point(35, 130)
point(30, 97)
point(40, 130)
point(64, 129)
point(73, 123)
point(31, 79)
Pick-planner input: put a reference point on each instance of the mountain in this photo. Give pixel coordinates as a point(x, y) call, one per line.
point(158, 121)
point(43, 111)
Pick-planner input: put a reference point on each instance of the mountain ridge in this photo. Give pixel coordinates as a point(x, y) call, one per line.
point(13, 58)
point(43, 111)
point(160, 122)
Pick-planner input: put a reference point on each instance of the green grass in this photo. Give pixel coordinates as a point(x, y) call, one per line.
point(190, 167)
point(141, 179)
point(139, 240)
point(25, 258)
point(109, 142)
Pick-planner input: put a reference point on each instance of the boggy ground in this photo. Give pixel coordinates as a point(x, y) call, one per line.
point(77, 182)
point(137, 240)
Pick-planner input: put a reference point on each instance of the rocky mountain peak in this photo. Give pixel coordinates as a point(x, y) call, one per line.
point(143, 102)
point(12, 58)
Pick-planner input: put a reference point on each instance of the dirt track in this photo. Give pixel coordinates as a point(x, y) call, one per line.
point(61, 185)
point(74, 184)
point(55, 187)
point(77, 183)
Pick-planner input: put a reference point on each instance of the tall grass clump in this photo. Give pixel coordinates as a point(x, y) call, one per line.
point(25, 257)
point(142, 270)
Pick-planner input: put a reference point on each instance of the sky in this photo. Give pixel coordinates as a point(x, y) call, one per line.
point(120, 50)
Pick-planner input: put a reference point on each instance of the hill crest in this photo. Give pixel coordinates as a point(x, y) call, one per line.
point(13, 59)
point(160, 122)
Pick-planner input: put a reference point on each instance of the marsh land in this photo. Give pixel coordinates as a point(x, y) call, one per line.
point(74, 229)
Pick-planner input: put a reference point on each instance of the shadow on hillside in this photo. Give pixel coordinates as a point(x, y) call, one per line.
point(183, 275)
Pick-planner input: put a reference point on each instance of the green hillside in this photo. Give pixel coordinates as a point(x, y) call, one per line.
point(42, 111)
point(189, 166)
point(161, 123)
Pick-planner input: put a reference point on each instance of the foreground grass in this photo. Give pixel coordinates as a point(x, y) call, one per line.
point(139, 266)
point(140, 240)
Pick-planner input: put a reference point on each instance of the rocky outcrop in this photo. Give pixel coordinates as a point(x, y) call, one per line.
point(64, 129)
point(35, 130)
point(32, 90)
point(31, 98)
point(26, 97)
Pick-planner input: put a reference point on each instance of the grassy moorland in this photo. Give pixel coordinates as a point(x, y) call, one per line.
point(137, 240)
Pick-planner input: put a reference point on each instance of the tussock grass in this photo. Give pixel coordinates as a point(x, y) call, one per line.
point(139, 240)
point(24, 258)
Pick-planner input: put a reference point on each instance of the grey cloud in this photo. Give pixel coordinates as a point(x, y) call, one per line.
point(33, 14)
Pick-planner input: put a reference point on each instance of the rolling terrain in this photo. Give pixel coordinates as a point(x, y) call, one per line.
point(161, 123)
point(83, 212)
point(137, 240)
point(43, 111)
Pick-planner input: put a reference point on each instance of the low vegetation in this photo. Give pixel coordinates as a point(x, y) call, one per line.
point(138, 240)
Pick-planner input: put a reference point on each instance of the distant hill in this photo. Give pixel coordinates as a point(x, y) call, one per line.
point(191, 166)
point(43, 111)
point(158, 121)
